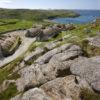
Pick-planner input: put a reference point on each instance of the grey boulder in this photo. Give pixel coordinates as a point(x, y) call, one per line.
point(33, 32)
point(47, 56)
point(64, 88)
point(89, 69)
point(33, 94)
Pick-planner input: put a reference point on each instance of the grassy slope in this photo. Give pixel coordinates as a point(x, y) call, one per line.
point(23, 19)
point(19, 24)
point(34, 14)
point(9, 92)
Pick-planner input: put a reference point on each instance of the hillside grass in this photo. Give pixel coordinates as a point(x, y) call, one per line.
point(36, 15)
point(16, 19)
point(8, 69)
point(87, 94)
point(11, 91)
point(17, 24)
point(14, 24)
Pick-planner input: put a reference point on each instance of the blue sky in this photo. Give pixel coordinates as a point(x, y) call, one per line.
point(53, 4)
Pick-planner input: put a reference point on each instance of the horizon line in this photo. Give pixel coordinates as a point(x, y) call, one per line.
point(47, 8)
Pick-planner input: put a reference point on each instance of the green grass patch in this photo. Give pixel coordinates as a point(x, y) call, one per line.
point(10, 92)
point(14, 76)
point(4, 73)
point(87, 94)
point(8, 21)
point(20, 24)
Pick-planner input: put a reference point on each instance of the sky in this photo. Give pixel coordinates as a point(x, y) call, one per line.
point(51, 4)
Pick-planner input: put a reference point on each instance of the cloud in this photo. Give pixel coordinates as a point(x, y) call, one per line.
point(5, 1)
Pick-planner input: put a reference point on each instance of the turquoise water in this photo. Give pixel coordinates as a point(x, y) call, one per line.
point(86, 17)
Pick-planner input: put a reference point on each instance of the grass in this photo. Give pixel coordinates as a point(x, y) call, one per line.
point(87, 94)
point(36, 15)
point(16, 19)
point(36, 44)
point(17, 24)
point(78, 35)
point(32, 47)
point(7, 70)
point(7, 21)
point(91, 50)
point(11, 91)
point(20, 24)
point(13, 76)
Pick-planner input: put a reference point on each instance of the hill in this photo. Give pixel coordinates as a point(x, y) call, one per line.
point(14, 19)
point(35, 14)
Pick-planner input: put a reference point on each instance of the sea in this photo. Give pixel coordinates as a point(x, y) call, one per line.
point(86, 16)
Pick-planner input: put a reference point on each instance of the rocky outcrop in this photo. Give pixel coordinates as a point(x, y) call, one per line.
point(33, 32)
point(40, 73)
point(66, 27)
point(95, 41)
point(42, 33)
point(54, 70)
point(39, 51)
point(39, 26)
point(47, 56)
point(49, 33)
point(33, 94)
point(65, 52)
point(92, 46)
point(70, 27)
point(31, 76)
point(52, 45)
point(9, 45)
point(64, 88)
point(73, 52)
point(33, 55)
point(89, 69)
point(45, 33)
